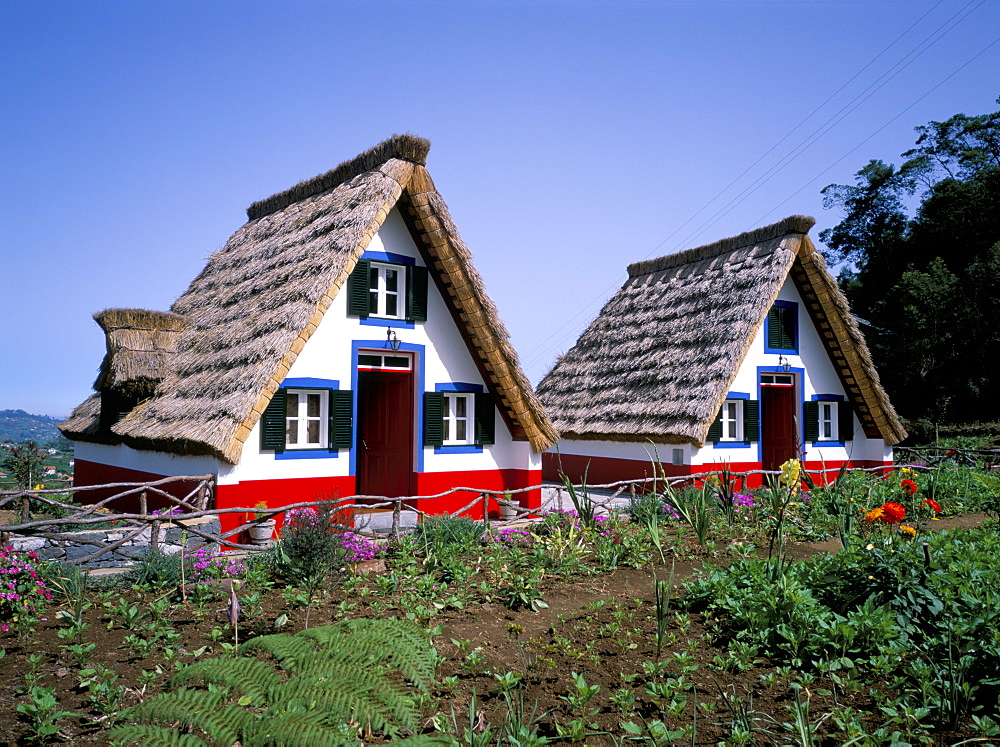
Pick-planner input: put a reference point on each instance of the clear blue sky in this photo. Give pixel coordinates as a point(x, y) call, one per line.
point(568, 138)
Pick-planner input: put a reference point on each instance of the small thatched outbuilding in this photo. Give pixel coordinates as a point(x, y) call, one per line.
point(340, 343)
point(741, 352)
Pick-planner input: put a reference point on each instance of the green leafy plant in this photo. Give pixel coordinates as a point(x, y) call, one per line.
point(42, 712)
point(312, 684)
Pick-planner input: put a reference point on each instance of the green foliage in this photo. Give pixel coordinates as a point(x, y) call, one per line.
point(23, 462)
point(930, 284)
point(448, 535)
point(920, 619)
point(156, 570)
point(311, 546)
point(42, 711)
point(308, 690)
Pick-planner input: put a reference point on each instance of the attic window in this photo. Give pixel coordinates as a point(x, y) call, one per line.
point(781, 328)
point(385, 290)
point(389, 290)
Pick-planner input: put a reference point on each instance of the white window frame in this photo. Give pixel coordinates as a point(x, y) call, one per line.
point(731, 418)
point(300, 419)
point(381, 291)
point(452, 420)
point(827, 418)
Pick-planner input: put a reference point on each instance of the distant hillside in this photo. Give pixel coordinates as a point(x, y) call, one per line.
point(18, 426)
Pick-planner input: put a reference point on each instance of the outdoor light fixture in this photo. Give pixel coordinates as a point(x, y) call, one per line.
point(784, 364)
point(391, 341)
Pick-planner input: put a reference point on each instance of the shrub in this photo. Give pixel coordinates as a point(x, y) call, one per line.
point(311, 545)
point(23, 591)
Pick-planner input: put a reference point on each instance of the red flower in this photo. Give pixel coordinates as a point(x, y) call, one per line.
point(893, 513)
point(909, 487)
point(933, 504)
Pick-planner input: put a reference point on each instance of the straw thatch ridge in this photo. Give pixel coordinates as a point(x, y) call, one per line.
point(660, 358)
point(140, 348)
point(259, 299)
point(402, 147)
point(790, 225)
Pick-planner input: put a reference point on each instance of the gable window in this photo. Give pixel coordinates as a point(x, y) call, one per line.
point(781, 328)
point(457, 417)
point(308, 419)
point(388, 290)
point(828, 419)
point(385, 285)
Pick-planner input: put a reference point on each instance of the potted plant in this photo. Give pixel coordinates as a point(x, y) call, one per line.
point(508, 508)
point(262, 529)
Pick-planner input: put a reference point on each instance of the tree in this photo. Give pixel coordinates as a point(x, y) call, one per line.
point(929, 283)
point(23, 461)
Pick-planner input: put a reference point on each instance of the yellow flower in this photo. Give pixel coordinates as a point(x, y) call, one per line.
point(906, 471)
point(908, 532)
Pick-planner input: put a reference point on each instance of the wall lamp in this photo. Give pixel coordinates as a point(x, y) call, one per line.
point(391, 341)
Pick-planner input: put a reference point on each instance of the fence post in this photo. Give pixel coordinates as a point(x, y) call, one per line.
point(486, 507)
point(202, 495)
point(154, 537)
point(25, 506)
point(396, 511)
point(142, 503)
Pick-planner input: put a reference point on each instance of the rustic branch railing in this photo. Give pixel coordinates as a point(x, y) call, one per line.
point(194, 504)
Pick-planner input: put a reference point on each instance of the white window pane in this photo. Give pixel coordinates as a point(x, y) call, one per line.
point(313, 405)
point(460, 432)
point(313, 437)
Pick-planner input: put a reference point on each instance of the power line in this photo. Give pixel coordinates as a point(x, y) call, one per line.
point(544, 348)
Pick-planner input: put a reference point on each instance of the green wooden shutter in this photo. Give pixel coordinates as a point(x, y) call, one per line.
point(416, 294)
point(751, 421)
point(845, 421)
point(359, 289)
point(715, 429)
point(781, 328)
point(787, 327)
point(811, 414)
point(272, 423)
point(774, 327)
point(485, 419)
point(341, 419)
point(433, 418)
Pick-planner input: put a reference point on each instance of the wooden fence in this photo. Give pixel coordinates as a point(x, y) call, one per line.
point(197, 501)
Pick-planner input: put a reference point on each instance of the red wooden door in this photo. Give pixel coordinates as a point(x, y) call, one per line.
point(385, 433)
point(780, 435)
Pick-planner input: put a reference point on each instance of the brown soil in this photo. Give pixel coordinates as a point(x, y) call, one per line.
point(574, 634)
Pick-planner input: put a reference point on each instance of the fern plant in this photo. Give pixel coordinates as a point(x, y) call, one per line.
point(318, 687)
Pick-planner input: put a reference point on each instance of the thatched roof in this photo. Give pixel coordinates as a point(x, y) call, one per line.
point(260, 298)
point(140, 348)
point(658, 361)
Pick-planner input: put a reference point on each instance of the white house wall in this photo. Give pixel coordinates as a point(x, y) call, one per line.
point(818, 377)
point(154, 462)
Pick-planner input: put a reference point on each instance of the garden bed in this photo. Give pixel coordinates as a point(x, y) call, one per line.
point(494, 636)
